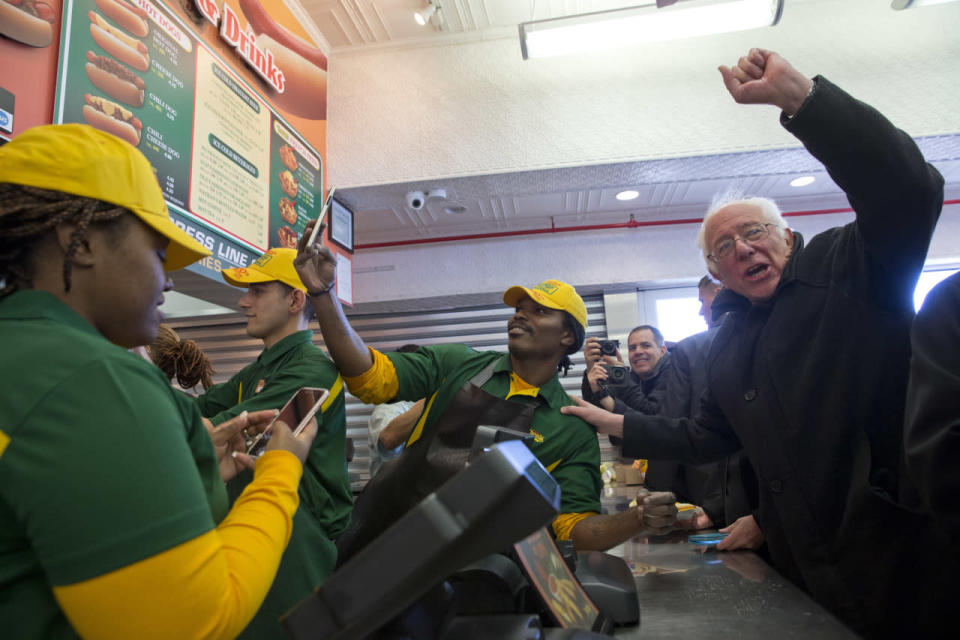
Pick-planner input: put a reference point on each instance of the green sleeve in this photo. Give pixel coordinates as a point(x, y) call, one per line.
point(420, 373)
point(578, 474)
point(219, 398)
point(204, 455)
point(100, 473)
point(281, 385)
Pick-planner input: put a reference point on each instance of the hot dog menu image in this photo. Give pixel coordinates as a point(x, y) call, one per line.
point(201, 104)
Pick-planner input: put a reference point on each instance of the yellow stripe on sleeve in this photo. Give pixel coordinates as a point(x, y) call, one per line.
point(418, 430)
point(378, 384)
point(208, 587)
point(333, 392)
point(564, 523)
point(4, 441)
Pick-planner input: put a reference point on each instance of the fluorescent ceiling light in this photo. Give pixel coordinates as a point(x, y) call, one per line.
point(423, 16)
point(899, 5)
point(629, 194)
point(802, 181)
point(644, 23)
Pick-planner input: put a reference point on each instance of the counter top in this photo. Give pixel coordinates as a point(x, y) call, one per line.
point(692, 591)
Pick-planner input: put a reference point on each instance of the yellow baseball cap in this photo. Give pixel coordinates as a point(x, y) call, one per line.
point(553, 294)
point(78, 159)
point(275, 264)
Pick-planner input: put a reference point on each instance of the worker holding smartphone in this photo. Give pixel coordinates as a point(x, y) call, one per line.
point(277, 312)
point(114, 521)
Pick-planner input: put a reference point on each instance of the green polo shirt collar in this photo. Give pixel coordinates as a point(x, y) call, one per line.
point(35, 304)
point(285, 346)
point(552, 392)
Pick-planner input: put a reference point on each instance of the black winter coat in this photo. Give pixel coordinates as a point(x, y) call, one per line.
point(812, 383)
point(932, 431)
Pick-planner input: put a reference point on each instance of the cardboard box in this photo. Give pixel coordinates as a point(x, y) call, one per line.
point(627, 475)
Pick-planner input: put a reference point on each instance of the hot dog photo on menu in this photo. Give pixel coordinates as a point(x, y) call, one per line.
point(116, 66)
point(29, 21)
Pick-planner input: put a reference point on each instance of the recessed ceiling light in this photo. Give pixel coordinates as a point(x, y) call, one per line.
point(802, 181)
point(630, 194)
point(454, 209)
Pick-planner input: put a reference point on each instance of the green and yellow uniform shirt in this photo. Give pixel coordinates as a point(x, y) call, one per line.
point(565, 445)
point(101, 466)
point(326, 499)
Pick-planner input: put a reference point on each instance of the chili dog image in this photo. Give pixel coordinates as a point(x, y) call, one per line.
point(127, 50)
point(131, 18)
point(114, 79)
point(28, 21)
point(108, 116)
point(304, 66)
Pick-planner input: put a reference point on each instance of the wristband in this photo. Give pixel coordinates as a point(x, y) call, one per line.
point(320, 292)
point(600, 395)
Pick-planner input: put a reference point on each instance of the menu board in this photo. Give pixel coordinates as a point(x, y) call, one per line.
point(235, 170)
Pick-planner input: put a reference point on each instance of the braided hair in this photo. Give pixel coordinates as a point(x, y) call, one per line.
point(180, 359)
point(28, 213)
point(579, 335)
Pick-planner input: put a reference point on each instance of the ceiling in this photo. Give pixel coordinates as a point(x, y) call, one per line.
point(671, 189)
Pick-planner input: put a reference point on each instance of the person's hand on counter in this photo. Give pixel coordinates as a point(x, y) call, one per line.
point(745, 533)
point(657, 511)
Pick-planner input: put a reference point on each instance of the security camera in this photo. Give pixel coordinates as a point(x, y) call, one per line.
point(415, 200)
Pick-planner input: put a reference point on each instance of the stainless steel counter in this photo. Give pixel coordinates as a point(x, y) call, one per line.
point(691, 591)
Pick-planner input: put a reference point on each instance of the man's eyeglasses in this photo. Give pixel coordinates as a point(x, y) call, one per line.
point(750, 233)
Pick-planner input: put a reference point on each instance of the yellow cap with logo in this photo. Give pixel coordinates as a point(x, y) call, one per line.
point(553, 294)
point(78, 159)
point(275, 264)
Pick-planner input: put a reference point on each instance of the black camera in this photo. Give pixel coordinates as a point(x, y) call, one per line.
point(609, 347)
point(617, 375)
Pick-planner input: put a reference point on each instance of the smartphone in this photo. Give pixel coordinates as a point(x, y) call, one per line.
point(297, 414)
point(706, 538)
point(321, 217)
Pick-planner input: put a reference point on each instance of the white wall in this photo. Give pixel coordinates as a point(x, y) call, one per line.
point(399, 115)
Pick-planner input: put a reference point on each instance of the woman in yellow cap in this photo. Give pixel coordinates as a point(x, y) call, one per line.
point(110, 488)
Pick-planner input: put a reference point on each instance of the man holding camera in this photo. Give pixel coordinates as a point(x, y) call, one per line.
point(610, 384)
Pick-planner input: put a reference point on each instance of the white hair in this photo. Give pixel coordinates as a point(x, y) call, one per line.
point(769, 212)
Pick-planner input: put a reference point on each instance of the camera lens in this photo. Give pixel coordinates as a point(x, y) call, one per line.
point(608, 347)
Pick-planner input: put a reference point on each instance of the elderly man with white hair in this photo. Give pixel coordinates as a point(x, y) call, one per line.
point(808, 373)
